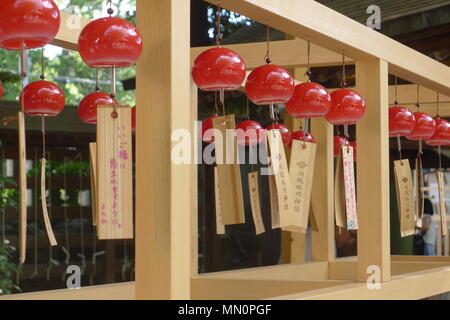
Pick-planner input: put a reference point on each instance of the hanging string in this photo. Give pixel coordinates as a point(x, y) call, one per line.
point(248, 108)
point(308, 71)
point(418, 108)
point(267, 56)
point(344, 73)
point(277, 114)
point(110, 9)
point(42, 76)
point(216, 108)
point(23, 73)
point(97, 81)
point(219, 25)
point(437, 106)
point(66, 247)
point(396, 91)
point(399, 141)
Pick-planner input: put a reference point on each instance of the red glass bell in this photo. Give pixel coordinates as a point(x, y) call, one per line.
point(286, 135)
point(207, 129)
point(249, 133)
point(1, 90)
point(28, 24)
point(219, 69)
point(441, 135)
point(43, 98)
point(108, 42)
point(401, 121)
point(302, 136)
point(133, 119)
point(347, 107)
point(310, 100)
point(269, 84)
point(425, 127)
point(338, 143)
point(87, 110)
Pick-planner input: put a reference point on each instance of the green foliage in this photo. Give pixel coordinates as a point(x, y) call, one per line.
point(8, 269)
point(67, 65)
point(230, 21)
point(58, 168)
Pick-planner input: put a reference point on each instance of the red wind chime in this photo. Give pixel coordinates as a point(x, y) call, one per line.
point(108, 42)
point(269, 85)
point(217, 70)
point(31, 24)
point(310, 100)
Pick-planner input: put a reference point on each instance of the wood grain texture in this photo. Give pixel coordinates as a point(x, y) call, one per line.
point(373, 170)
point(47, 222)
point(322, 197)
point(114, 173)
point(229, 172)
point(22, 189)
point(163, 193)
point(93, 178)
point(339, 33)
point(253, 185)
point(405, 197)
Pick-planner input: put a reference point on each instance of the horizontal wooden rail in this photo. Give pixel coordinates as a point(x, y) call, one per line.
point(332, 30)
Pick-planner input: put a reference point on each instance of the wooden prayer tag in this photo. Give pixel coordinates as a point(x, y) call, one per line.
point(339, 194)
point(220, 228)
point(282, 181)
point(229, 172)
point(93, 176)
point(274, 207)
point(405, 197)
point(22, 189)
point(442, 210)
point(419, 192)
point(301, 171)
point(253, 186)
point(349, 187)
point(48, 225)
point(114, 173)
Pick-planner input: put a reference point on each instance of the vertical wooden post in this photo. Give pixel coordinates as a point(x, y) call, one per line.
point(322, 199)
point(373, 170)
point(163, 249)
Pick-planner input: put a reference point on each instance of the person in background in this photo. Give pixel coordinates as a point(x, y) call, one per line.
point(429, 228)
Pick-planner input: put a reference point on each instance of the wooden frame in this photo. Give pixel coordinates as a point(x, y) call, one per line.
point(166, 218)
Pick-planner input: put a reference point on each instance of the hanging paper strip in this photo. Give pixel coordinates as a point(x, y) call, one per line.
point(405, 197)
point(48, 225)
point(283, 183)
point(114, 173)
point(220, 228)
point(229, 171)
point(253, 186)
point(274, 207)
point(93, 176)
point(22, 189)
point(440, 179)
point(419, 192)
point(349, 187)
point(301, 171)
point(339, 194)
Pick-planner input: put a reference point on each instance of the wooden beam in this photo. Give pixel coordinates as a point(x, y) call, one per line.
point(287, 53)
point(69, 31)
point(117, 291)
point(373, 169)
point(411, 286)
point(163, 250)
point(302, 271)
point(330, 29)
point(238, 289)
point(323, 244)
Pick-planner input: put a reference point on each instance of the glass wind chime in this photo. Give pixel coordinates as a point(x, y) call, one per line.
point(28, 25)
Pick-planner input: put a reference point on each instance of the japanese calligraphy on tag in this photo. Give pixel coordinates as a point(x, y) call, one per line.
point(349, 187)
point(114, 173)
point(220, 228)
point(229, 173)
point(405, 197)
point(301, 170)
point(442, 211)
point(253, 186)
